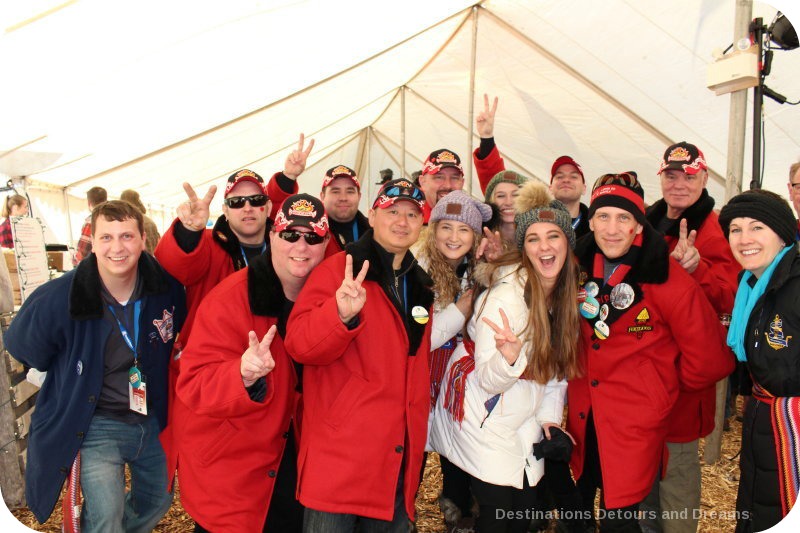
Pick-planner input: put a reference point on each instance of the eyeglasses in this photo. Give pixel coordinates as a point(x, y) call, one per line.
point(294, 236)
point(404, 192)
point(237, 202)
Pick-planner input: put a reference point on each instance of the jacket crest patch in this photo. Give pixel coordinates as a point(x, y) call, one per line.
point(641, 325)
point(775, 336)
point(165, 326)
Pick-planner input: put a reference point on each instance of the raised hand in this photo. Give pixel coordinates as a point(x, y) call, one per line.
point(194, 213)
point(685, 252)
point(257, 360)
point(296, 160)
point(484, 122)
point(351, 296)
point(490, 247)
point(505, 341)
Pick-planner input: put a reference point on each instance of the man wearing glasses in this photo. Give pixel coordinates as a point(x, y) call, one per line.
point(794, 190)
point(238, 456)
point(441, 173)
point(686, 217)
point(361, 329)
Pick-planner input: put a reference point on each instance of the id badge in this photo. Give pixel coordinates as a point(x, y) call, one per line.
point(137, 392)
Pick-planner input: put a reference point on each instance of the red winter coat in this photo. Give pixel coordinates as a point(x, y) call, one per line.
point(231, 446)
point(487, 168)
point(717, 274)
point(631, 379)
point(216, 257)
point(365, 390)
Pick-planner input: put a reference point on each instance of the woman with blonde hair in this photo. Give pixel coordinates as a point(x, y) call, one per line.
point(505, 386)
point(15, 205)
point(448, 253)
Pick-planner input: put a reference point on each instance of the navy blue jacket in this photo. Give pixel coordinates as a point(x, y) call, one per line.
point(60, 329)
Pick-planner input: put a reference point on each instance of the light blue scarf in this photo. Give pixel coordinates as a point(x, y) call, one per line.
point(746, 298)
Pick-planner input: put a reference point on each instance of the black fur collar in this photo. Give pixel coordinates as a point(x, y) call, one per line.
point(227, 239)
point(651, 266)
point(264, 287)
point(695, 214)
point(380, 271)
point(85, 299)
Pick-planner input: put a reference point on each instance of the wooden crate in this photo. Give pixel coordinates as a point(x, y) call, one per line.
point(17, 400)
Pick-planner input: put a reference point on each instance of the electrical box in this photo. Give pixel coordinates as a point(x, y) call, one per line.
point(734, 71)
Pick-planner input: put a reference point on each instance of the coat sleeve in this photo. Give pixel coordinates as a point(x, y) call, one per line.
point(705, 358)
point(487, 168)
point(447, 323)
point(188, 268)
point(210, 382)
point(278, 194)
point(552, 407)
point(493, 372)
point(35, 337)
point(315, 335)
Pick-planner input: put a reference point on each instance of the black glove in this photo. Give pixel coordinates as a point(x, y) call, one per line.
point(557, 448)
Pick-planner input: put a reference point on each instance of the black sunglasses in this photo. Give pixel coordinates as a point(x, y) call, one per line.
point(294, 235)
point(237, 202)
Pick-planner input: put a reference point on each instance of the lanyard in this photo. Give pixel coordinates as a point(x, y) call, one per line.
point(137, 308)
point(355, 230)
point(244, 255)
point(576, 221)
point(404, 300)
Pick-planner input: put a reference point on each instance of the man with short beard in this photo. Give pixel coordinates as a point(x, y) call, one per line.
point(441, 173)
point(341, 194)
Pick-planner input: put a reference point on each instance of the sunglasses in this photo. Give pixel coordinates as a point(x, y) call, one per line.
point(405, 192)
point(627, 179)
point(237, 202)
point(294, 236)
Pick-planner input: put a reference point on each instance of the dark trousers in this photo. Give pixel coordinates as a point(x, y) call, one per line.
point(456, 486)
point(621, 520)
point(285, 513)
point(503, 509)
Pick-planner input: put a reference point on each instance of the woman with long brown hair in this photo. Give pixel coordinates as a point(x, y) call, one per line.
point(504, 388)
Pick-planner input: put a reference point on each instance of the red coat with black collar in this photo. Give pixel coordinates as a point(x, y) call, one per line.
point(668, 341)
point(693, 415)
point(366, 390)
point(230, 445)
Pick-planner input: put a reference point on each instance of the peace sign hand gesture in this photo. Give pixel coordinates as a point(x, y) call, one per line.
point(506, 342)
point(257, 360)
point(490, 247)
point(484, 122)
point(351, 296)
point(685, 253)
point(296, 160)
point(194, 213)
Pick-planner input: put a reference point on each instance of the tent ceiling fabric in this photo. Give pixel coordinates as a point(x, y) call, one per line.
point(150, 94)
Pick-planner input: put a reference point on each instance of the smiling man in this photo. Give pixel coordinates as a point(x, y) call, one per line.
point(341, 193)
point(648, 332)
point(361, 328)
point(103, 333)
point(441, 173)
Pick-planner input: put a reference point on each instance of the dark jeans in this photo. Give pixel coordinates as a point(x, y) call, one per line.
point(324, 522)
point(456, 486)
point(503, 509)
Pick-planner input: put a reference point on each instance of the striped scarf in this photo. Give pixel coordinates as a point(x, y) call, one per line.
point(71, 504)
point(785, 416)
point(437, 365)
point(457, 383)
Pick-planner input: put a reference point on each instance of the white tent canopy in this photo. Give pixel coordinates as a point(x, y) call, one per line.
point(149, 94)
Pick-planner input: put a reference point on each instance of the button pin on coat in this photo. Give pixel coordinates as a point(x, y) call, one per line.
point(79, 368)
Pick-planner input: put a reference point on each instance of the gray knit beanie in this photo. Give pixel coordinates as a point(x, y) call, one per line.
point(534, 204)
point(461, 207)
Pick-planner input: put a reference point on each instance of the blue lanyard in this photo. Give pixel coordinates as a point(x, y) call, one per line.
point(576, 221)
point(132, 343)
point(355, 230)
point(244, 255)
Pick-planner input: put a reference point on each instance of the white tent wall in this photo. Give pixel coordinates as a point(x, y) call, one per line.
point(148, 94)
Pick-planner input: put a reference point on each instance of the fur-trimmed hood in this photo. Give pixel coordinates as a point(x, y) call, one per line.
point(264, 288)
point(695, 214)
point(85, 298)
point(652, 263)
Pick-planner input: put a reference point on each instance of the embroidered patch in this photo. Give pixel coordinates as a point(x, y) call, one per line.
point(775, 337)
point(165, 326)
point(641, 326)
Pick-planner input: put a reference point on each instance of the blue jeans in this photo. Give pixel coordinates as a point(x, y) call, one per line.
point(323, 522)
point(110, 445)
